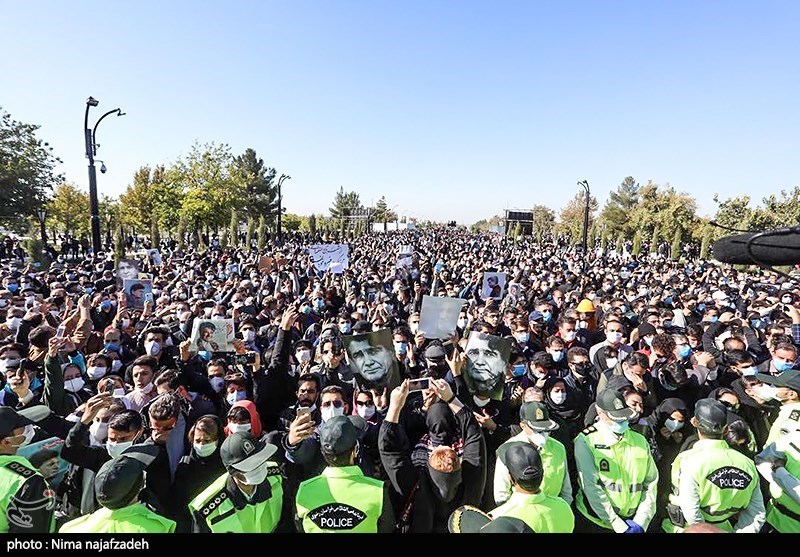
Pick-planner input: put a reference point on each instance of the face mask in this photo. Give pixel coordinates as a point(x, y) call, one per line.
point(749, 371)
point(116, 449)
point(303, 356)
point(522, 338)
point(667, 324)
point(684, 351)
point(558, 398)
point(146, 389)
point(569, 336)
point(319, 303)
point(329, 412)
point(217, 383)
point(537, 438)
point(611, 362)
point(204, 450)
point(480, 403)
point(546, 315)
point(99, 431)
point(152, 348)
point(235, 397)
point(257, 476)
point(557, 355)
point(239, 428)
point(519, 370)
point(365, 412)
point(783, 366)
point(648, 340)
point(786, 300)
point(119, 393)
point(111, 346)
point(13, 323)
point(249, 335)
point(400, 347)
point(462, 323)
point(614, 338)
point(673, 425)
point(583, 325)
point(619, 427)
point(13, 287)
point(713, 319)
point(116, 365)
point(95, 372)
point(74, 385)
point(344, 328)
point(766, 392)
point(204, 355)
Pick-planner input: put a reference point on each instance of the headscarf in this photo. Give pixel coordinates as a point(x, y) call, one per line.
point(570, 409)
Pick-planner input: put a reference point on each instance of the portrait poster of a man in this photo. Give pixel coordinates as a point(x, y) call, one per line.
point(487, 359)
point(371, 357)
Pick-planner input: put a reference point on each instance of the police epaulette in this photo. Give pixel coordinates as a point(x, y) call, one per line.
point(274, 471)
point(590, 429)
point(21, 469)
point(795, 415)
point(213, 503)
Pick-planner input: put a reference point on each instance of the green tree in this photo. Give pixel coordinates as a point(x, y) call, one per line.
point(27, 175)
point(654, 240)
point(636, 249)
point(69, 210)
point(616, 212)
point(262, 233)
point(517, 232)
point(345, 204)
point(258, 187)
point(233, 228)
point(109, 211)
point(223, 239)
point(664, 207)
point(312, 224)
point(166, 197)
point(119, 245)
point(291, 222)
point(383, 214)
point(136, 207)
point(572, 214)
point(604, 240)
point(544, 221)
point(251, 228)
point(181, 233)
point(591, 241)
point(484, 224)
point(155, 234)
point(704, 244)
point(620, 243)
point(675, 250)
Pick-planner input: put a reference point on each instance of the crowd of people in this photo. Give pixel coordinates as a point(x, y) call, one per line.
point(638, 395)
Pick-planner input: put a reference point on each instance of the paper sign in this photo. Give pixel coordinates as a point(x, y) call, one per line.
point(45, 456)
point(405, 249)
point(137, 292)
point(212, 335)
point(405, 261)
point(323, 255)
point(487, 358)
point(493, 284)
point(154, 256)
point(371, 357)
point(265, 263)
point(438, 316)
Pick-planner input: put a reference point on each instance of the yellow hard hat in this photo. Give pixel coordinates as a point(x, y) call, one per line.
point(586, 306)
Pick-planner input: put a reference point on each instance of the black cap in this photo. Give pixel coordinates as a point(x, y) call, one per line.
point(536, 416)
point(245, 452)
point(119, 480)
point(471, 520)
point(523, 461)
point(435, 352)
point(646, 329)
point(789, 379)
point(613, 403)
point(10, 420)
point(340, 434)
point(711, 415)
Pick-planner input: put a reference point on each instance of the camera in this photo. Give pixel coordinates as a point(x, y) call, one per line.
point(103, 168)
point(237, 359)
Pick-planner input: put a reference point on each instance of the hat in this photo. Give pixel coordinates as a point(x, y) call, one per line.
point(535, 316)
point(523, 461)
point(719, 295)
point(435, 352)
point(340, 434)
point(471, 520)
point(789, 379)
point(303, 343)
point(10, 420)
point(646, 329)
point(613, 403)
point(245, 452)
point(120, 479)
point(362, 326)
point(536, 416)
point(711, 414)
point(586, 306)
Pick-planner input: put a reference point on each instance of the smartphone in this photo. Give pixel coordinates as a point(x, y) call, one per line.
point(108, 386)
point(148, 296)
point(61, 331)
point(415, 385)
point(303, 410)
point(448, 348)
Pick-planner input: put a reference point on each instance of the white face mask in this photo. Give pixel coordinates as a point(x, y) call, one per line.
point(303, 356)
point(329, 412)
point(257, 476)
point(74, 385)
point(611, 362)
point(569, 336)
point(365, 412)
point(559, 397)
point(204, 450)
point(217, 383)
point(99, 431)
point(146, 389)
point(235, 397)
point(116, 365)
point(116, 449)
point(13, 323)
point(249, 335)
point(538, 438)
point(119, 393)
point(766, 392)
point(479, 402)
point(238, 428)
point(614, 337)
point(125, 323)
point(152, 348)
point(462, 323)
point(95, 372)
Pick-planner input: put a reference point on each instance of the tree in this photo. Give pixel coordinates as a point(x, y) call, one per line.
point(654, 240)
point(109, 211)
point(620, 204)
point(291, 222)
point(604, 240)
point(155, 235)
point(704, 244)
point(544, 220)
point(483, 224)
point(233, 228)
point(69, 210)
point(675, 250)
point(119, 245)
point(621, 243)
point(637, 244)
point(223, 239)
point(181, 233)
point(344, 205)
point(251, 228)
point(571, 216)
point(34, 247)
point(26, 172)
point(591, 241)
point(383, 213)
point(262, 233)
point(258, 192)
point(517, 232)
point(136, 204)
point(166, 197)
point(312, 224)
point(665, 208)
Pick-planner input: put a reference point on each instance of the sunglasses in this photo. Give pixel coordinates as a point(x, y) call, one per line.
point(364, 403)
point(334, 403)
point(234, 376)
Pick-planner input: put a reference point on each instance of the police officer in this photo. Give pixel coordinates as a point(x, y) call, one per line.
point(712, 482)
point(617, 475)
point(786, 389)
point(248, 498)
point(117, 486)
point(543, 513)
point(26, 501)
point(342, 499)
point(471, 520)
point(536, 428)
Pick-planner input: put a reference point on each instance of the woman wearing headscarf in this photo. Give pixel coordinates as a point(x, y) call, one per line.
point(566, 408)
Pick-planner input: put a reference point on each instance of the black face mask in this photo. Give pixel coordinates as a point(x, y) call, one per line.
point(445, 484)
point(441, 424)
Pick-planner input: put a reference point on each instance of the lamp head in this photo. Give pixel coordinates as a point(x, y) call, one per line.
point(103, 167)
point(91, 101)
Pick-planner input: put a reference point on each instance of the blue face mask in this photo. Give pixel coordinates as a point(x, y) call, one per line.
point(204, 354)
point(319, 303)
point(756, 323)
point(13, 287)
point(105, 304)
point(112, 347)
point(558, 355)
point(783, 366)
point(713, 319)
point(546, 315)
point(684, 351)
point(519, 370)
point(619, 427)
point(522, 338)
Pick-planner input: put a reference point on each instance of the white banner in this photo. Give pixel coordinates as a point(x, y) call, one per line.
point(438, 316)
point(330, 256)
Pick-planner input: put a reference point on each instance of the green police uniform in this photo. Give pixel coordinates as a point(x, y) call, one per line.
point(783, 508)
point(223, 508)
point(556, 481)
point(617, 478)
point(341, 499)
point(543, 513)
point(711, 482)
point(26, 501)
point(788, 419)
point(133, 519)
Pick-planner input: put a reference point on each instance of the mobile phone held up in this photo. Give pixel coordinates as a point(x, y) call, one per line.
point(61, 331)
point(415, 385)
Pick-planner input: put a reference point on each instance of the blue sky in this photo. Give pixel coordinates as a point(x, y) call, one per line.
point(452, 110)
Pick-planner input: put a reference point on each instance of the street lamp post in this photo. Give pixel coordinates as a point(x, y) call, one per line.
point(42, 216)
point(280, 206)
point(585, 185)
point(90, 137)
